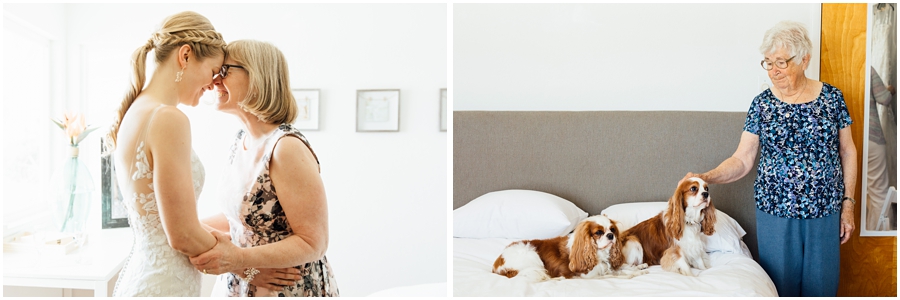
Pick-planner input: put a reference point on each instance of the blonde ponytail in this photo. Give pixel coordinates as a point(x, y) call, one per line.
point(139, 65)
point(185, 28)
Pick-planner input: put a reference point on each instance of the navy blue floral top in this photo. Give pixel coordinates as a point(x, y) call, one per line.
point(799, 174)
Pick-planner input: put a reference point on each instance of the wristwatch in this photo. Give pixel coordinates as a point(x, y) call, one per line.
point(849, 198)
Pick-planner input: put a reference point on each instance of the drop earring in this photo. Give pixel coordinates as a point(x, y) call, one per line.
point(178, 75)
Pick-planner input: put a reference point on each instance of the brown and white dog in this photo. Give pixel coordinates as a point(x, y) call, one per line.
point(592, 250)
point(672, 238)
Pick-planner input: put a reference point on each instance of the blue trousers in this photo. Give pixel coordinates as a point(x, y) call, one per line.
point(802, 256)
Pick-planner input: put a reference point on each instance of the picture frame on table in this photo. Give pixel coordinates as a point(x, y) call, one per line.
point(378, 110)
point(114, 214)
point(307, 109)
point(443, 116)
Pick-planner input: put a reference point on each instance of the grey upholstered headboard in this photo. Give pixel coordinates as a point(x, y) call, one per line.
point(599, 158)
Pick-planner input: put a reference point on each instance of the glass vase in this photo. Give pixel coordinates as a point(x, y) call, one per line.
point(72, 193)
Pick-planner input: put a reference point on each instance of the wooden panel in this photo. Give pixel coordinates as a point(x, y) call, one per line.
point(868, 264)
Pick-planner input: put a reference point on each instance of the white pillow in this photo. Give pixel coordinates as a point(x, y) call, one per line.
point(516, 214)
point(630, 214)
point(727, 237)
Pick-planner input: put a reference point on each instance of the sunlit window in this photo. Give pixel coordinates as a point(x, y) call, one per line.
point(26, 122)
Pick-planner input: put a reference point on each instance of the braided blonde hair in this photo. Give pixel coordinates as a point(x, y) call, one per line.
point(185, 28)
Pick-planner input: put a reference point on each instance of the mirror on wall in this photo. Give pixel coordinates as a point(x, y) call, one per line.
point(879, 172)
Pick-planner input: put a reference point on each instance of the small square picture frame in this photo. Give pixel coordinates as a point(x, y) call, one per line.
point(443, 113)
point(307, 108)
point(378, 110)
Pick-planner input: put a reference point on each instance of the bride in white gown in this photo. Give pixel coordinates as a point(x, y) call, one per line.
point(158, 172)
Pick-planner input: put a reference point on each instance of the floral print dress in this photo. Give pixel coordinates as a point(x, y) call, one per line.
point(258, 219)
point(799, 174)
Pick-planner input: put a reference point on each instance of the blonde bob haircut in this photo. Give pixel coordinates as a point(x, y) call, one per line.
point(269, 96)
point(790, 35)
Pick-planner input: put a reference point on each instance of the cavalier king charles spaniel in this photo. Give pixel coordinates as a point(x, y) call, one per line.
point(672, 238)
point(592, 250)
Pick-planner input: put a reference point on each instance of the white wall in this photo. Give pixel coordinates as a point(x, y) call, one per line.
point(691, 57)
point(386, 191)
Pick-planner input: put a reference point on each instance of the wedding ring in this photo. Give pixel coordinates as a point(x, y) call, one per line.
point(204, 271)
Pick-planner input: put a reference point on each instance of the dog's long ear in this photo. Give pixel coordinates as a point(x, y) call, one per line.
point(616, 257)
point(675, 213)
point(708, 225)
point(583, 255)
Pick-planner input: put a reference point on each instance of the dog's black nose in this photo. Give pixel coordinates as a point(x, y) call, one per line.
point(610, 236)
point(705, 194)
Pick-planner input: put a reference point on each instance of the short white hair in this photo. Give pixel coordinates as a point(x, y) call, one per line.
point(790, 35)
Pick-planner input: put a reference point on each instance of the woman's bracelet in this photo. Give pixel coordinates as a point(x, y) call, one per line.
point(849, 198)
point(250, 273)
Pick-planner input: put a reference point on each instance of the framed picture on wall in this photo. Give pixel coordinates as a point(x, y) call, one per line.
point(377, 110)
point(307, 109)
point(443, 115)
point(114, 213)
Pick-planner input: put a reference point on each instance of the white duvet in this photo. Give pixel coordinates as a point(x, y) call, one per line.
point(730, 275)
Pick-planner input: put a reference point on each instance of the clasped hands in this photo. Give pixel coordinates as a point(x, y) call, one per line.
point(225, 257)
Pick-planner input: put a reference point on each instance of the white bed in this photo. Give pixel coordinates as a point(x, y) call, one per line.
point(486, 225)
point(732, 274)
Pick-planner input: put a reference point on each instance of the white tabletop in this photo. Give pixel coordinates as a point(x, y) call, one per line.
point(98, 260)
point(421, 290)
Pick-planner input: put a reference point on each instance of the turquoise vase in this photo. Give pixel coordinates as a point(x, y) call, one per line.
point(73, 188)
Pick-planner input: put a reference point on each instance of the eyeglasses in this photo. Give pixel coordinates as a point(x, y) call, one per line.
point(223, 72)
point(781, 64)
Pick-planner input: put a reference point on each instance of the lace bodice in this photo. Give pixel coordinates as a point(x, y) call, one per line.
point(153, 268)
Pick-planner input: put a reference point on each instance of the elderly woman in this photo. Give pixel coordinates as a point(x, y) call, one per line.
point(807, 168)
point(274, 204)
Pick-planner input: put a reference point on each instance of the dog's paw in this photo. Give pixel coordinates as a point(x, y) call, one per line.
point(702, 265)
point(681, 267)
point(639, 273)
point(560, 278)
point(642, 266)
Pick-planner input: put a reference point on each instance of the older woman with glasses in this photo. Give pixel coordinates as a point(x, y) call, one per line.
point(273, 198)
point(806, 174)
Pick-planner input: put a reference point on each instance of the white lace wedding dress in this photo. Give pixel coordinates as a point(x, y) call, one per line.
point(153, 268)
